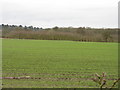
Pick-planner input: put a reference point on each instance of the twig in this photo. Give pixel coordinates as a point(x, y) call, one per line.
point(104, 82)
point(115, 83)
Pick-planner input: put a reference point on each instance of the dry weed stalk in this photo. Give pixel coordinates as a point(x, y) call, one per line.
point(100, 79)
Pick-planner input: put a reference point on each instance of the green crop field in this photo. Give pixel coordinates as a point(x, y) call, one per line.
point(57, 64)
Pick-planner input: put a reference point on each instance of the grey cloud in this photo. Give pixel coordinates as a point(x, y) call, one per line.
point(60, 16)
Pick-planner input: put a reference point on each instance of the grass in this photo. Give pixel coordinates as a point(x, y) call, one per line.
point(57, 63)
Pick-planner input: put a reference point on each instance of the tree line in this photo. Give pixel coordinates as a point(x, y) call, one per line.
point(87, 34)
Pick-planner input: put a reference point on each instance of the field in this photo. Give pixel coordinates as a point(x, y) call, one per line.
point(58, 64)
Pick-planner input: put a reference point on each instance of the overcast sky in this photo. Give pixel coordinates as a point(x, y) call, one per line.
point(62, 13)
